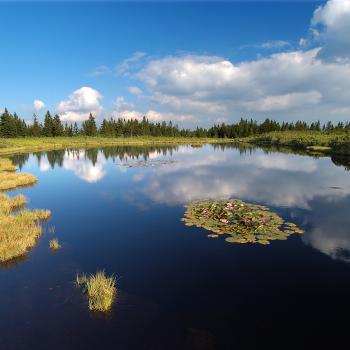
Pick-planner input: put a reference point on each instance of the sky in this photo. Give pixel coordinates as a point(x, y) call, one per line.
point(195, 63)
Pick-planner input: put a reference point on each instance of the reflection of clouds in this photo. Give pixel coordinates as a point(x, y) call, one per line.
point(44, 165)
point(281, 162)
point(329, 229)
point(283, 180)
point(83, 167)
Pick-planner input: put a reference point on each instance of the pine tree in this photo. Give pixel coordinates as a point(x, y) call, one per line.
point(57, 127)
point(48, 125)
point(36, 127)
point(89, 126)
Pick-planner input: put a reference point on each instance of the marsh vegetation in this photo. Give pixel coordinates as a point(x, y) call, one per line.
point(100, 289)
point(19, 228)
point(54, 244)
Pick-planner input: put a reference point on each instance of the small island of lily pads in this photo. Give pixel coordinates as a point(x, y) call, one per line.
point(242, 222)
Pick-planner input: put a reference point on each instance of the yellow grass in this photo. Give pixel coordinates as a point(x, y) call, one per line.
point(101, 290)
point(54, 245)
point(6, 165)
point(9, 181)
point(20, 231)
point(19, 228)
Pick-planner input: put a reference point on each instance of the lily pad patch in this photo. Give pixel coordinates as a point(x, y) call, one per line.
point(242, 222)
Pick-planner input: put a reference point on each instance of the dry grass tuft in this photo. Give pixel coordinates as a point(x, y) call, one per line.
point(54, 245)
point(101, 290)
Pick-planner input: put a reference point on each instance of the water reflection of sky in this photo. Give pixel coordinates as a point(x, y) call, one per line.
point(314, 191)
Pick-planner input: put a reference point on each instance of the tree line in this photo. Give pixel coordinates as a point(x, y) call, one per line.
point(11, 125)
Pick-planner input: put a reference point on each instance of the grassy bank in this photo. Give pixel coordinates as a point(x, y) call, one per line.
point(313, 141)
point(19, 228)
point(32, 144)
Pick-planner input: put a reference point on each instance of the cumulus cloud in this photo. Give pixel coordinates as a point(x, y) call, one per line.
point(296, 83)
point(79, 104)
point(38, 105)
point(330, 26)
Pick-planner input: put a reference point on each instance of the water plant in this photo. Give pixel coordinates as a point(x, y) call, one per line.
point(242, 222)
point(54, 244)
point(100, 289)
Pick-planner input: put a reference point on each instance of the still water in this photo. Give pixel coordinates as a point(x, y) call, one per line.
point(119, 209)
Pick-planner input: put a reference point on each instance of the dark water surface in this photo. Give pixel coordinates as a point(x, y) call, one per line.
point(119, 209)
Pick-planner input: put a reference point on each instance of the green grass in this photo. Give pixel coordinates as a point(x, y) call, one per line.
point(308, 140)
point(100, 289)
point(32, 144)
point(54, 244)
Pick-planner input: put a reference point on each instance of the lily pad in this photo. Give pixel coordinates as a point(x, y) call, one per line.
point(243, 222)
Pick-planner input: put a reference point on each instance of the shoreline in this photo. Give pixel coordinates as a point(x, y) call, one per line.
point(25, 145)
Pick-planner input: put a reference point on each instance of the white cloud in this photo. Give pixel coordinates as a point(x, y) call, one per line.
point(129, 63)
point(100, 70)
point(121, 105)
point(275, 44)
point(79, 104)
point(154, 116)
point(270, 45)
point(135, 90)
point(330, 26)
point(38, 105)
point(297, 83)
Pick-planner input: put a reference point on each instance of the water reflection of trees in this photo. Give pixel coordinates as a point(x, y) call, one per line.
point(121, 153)
point(341, 160)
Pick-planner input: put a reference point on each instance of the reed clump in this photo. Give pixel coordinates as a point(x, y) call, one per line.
point(54, 244)
point(100, 289)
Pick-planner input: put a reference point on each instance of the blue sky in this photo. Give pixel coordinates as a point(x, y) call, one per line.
point(195, 63)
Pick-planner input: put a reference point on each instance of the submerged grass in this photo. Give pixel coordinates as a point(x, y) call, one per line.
point(19, 228)
point(54, 244)
point(100, 289)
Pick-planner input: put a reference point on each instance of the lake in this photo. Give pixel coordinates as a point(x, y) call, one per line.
point(119, 209)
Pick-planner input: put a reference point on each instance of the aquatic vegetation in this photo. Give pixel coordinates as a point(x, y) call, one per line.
point(243, 222)
point(148, 163)
point(20, 231)
point(100, 289)
point(9, 180)
point(54, 244)
point(196, 145)
point(19, 228)
point(6, 165)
